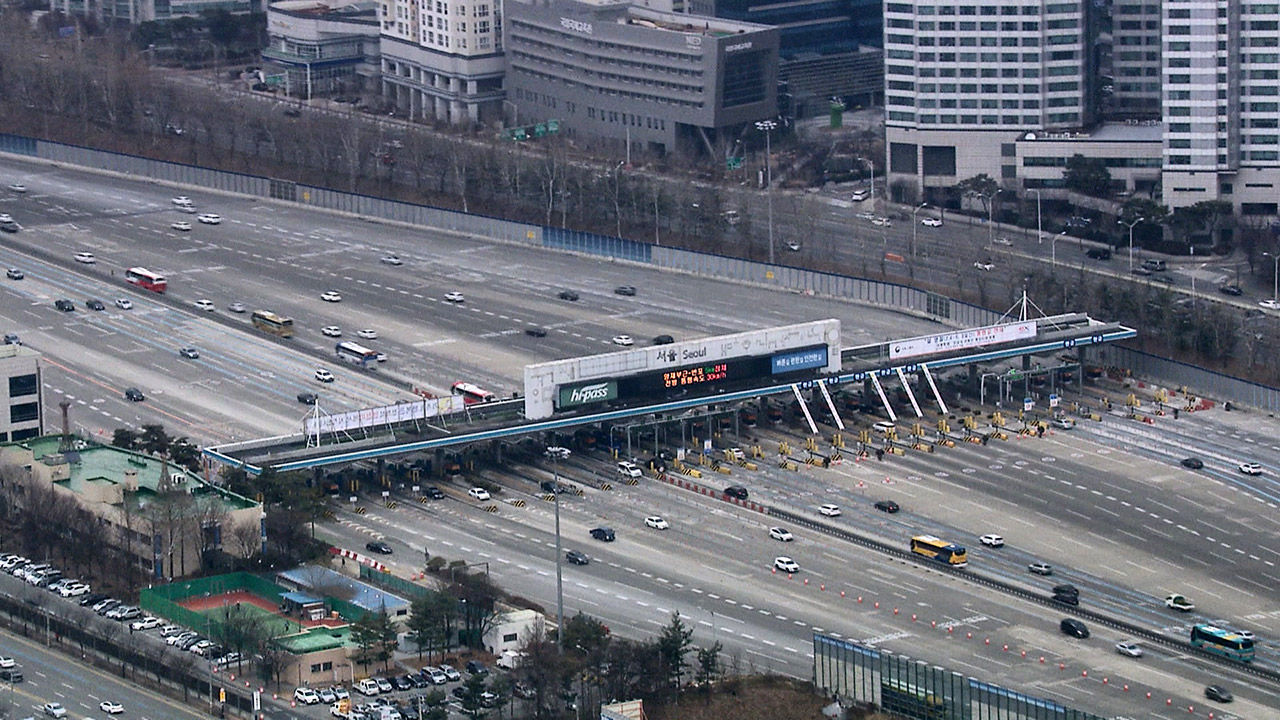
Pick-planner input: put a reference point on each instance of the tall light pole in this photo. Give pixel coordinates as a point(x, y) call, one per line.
point(767, 127)
point(1275, 276)
point(1053, 249)
point(557, 453)
point(1039, 223)
point(1130, 226)
point(991, 212)
point(915, 227)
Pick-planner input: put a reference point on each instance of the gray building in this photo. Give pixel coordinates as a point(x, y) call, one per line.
point(322, 46)
point(140, 11)
point(665, 82)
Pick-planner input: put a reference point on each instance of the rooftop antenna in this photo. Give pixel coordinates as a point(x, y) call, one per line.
point(65, 445)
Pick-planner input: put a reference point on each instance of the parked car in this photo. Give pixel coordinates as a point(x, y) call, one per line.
point(475, 667)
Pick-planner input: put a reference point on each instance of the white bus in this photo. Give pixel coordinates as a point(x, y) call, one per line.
point(355, 354)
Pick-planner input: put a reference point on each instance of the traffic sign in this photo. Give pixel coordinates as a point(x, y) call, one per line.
point(1028, 403)
point(1053, 401)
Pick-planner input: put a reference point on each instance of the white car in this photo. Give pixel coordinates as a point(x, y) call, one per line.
point(793, 246)
point(867, 215)
point(629, 469)
point(368, 334)
point(882, 222)
point(182, 225)
point(6, 218)
point(984, 266)
point(1270, 304)
point(1179, 602)
point(145, 623)
point(454, 297)
point(236, 307)
point(830, 510)
point(110, 708)
point(1250, 468)
point(182, 201)
point(931, 222)
point(18, 187)
point(306, 696)
point(7, 662)
point(392, 260)
point(86, 258)
point(324, 376)
point(1002, 241)
point(623, 340)
point(331, 296)
point(1132, 649)
point(73, 590)
point(209, 219)
point(656, 522)
point(992, 540)
point(437, 676)
point(479, 493)
point(782, 534)
point(205, 305)
point(332, 331)
point(786, 564)
point(55, 710)
point(124, 303)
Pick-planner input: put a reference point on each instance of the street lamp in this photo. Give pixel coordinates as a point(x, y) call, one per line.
point(1130, 226)
point(1275, 276)
point(767, 127)
point(991, 211)
point(557, 453)
point(1053, 248)
point(915, 227)
point(1039, 224)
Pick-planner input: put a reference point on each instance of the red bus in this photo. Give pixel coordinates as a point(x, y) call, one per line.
point(473, 394)
point(146, 279)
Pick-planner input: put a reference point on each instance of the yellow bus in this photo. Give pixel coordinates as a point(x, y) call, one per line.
point(940, 550)
point(272, 323)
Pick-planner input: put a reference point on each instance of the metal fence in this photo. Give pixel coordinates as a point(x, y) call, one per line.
point(914, 689)
point(872, 292)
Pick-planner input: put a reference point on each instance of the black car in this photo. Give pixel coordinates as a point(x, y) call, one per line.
point(576, 557)
point(569, 295)
point(402, 683)
point(93, 599)
point(1098, 254)
point(12, 227)
point(1193, 463)
point(554, 487)
point(434, 492)
point(379, 547)
point(95, 305)
point(133, 394)
point(1218, 693)
point(1074, 628)
point(307, 398)
point(888, 506)
point(292, 112)
point(663, 340)
point(64, 305)
point(12, 675)
point(1231, 290)
point(459, 692)
point(475, 667)
point(535, 332)
point(736, 491)
point(628, 290)
point(603, 534)
point(1066, 593)
point(419, 681)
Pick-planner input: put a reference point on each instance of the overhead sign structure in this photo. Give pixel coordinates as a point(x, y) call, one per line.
point(962, 339)
point(768, 353)
point(322, 424)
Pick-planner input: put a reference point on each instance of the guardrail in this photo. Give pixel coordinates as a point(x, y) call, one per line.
point(1022, 594)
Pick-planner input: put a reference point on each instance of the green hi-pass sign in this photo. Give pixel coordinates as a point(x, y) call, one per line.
point(574, 395)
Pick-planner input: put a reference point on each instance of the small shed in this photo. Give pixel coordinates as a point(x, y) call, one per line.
point(302, 605)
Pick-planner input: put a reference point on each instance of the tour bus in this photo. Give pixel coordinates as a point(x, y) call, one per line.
point(272, 323)
point(940, 550)
point(356, 354)
point(473, 394)
point(146, 279)
point(1222, 641)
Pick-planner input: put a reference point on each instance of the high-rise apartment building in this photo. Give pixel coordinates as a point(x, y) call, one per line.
point(442, 59)
point(964, 81)
point(1222, 104)
point(1135, 59)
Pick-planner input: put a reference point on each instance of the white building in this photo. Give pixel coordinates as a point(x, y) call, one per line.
point(1135, 59)
point(1222, 104)
point(21, 413)
point(442, 59)
point(964, 82)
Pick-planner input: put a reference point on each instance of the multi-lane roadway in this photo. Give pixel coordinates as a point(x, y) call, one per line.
point(1107, 504)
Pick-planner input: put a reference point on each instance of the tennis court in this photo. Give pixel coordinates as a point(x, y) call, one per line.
point(227, 608)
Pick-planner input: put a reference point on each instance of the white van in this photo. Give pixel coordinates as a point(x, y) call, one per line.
point(367, 686)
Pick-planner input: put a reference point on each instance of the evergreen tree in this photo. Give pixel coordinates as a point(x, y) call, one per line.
point(673, 645)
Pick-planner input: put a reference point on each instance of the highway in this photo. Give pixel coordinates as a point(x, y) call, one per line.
point(1107, 504)
point(49, 677)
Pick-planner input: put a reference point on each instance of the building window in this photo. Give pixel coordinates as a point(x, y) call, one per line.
point(24, 412)
point(20, 385)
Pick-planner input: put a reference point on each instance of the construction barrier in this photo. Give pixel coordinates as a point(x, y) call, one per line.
point(360, 510)
point(516, 503)
point(491, 508)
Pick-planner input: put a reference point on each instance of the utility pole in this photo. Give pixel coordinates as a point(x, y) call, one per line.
point(556, 453)
point(767, 127)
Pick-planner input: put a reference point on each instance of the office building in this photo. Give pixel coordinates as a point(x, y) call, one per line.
point(20, 390)
point(134, 12)
point(322, 47)
point(665, 82)
point(964, 82)
point(1134, 53)
point(442, 59)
